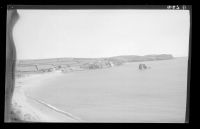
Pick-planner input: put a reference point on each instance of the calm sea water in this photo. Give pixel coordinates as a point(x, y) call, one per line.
point(121, 94)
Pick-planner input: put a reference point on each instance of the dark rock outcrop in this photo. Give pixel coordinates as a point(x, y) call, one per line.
point(142, 66)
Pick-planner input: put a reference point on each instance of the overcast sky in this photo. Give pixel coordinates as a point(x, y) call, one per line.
point(42, 34)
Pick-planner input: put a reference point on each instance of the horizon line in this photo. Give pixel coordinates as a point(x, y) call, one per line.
point(96, 57)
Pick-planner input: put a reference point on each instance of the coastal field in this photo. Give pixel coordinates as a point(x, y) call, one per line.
point(117, 94)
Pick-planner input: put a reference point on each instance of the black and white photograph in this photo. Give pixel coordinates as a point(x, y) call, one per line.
point(100, 65)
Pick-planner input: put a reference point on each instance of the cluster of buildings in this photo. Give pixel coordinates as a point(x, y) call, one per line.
point(41, 68)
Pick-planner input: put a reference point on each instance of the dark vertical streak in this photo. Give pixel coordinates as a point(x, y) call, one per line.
point(187, 114)
point(12, 17)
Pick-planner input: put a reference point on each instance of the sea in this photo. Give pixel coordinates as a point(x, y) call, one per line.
point(121, 93)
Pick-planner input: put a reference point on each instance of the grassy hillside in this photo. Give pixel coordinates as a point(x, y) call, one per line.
point(75, 64)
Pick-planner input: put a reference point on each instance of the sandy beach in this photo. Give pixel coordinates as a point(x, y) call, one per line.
point(32, 110)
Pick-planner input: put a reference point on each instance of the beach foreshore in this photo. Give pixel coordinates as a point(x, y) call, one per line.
point(34, 110)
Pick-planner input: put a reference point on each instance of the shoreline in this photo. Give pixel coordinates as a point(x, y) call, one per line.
point(33, 110)
point(44, 112)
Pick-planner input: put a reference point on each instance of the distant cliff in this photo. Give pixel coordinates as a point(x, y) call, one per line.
point(75, 64)
point(135, 58)
point(119, 60)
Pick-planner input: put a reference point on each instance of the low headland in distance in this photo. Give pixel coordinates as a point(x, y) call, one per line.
point(64, 65)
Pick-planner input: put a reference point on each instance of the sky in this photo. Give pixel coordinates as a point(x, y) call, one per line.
point(40, 34)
